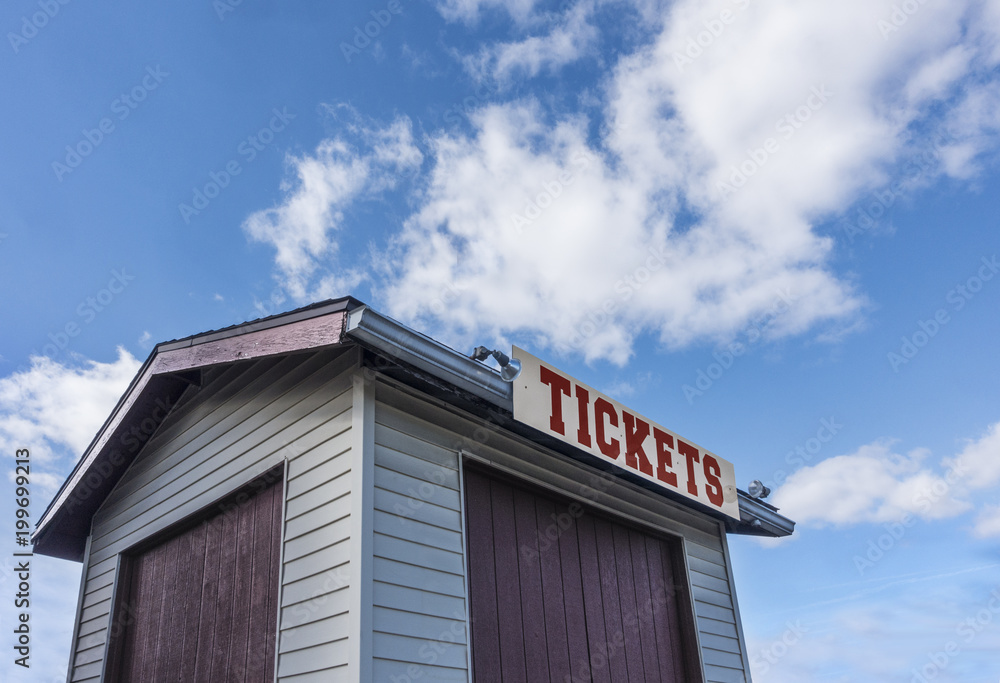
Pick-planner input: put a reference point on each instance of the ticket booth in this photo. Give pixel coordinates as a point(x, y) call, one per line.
point(329, 495)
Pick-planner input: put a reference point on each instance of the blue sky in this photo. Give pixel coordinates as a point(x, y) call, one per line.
point(770, 227)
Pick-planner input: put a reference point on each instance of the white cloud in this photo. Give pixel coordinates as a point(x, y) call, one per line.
point(875, 485)
point(55, 410)
point(724, 143)
point(786, 116)
point(301, 228)
point(536, 231)
point(988, 522)
point(469, 10)
point(570, 39)
point(979, 461)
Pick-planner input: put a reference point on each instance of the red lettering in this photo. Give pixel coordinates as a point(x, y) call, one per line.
point(560, 386)
point(664, 458)
point(602, 409)
point(636, 431)
point(691, 453)
point(713, 485)
point(583, 404)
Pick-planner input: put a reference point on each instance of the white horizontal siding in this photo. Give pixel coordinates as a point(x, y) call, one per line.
point(250, 418)
point(419, 616)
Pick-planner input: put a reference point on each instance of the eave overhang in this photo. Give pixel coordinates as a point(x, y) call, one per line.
point(168, 371)
point(175, 365)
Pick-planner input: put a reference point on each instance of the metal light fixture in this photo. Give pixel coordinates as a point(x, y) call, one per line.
point(510, 368)
point(757, 490)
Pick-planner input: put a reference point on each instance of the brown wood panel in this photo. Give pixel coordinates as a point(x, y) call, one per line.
point(576, 619)
point(202, 604)
point(209, 600)
point(644, 606)
point(593, 603)
point(632, 641)
point(615, 651)
point(508, 587)
point(664, 606)
point(560, 593)
point(261, 577)
point(482, 578)
point(240, 629)
point(274, 587)
point(529, 574)
point(192, 604)
point(225, 598)
point(554, 604)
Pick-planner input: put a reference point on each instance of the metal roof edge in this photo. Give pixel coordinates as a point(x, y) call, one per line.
point(405, 344)
point(758, 518)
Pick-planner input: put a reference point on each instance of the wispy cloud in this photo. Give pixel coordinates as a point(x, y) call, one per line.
point(302, 227)
point(569, 38)
point(877, 485)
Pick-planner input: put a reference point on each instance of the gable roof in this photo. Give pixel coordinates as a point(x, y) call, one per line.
point(175, 365)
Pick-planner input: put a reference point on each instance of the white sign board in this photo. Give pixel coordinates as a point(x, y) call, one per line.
point(557, 404)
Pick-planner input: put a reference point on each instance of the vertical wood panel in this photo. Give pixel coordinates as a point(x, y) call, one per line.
point(664, 605)
point(190, 628)
point(260, 578)
point(576, 619)
point(529, 574)
point(148, 661)
point(508, 585)
point(594, 599)
point(225, 599)
point(209, 600)
point(632, 641)
point(236, 668)
point(593, 602)
point(274, 587)
point(201, 599)
point(553, 602)
point(644, 606)
point(482, 579)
